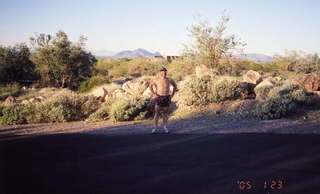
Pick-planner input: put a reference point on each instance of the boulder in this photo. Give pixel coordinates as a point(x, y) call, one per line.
point(203, 71)
point(103, 91)
point(252, 77)
point(263, 88)
point(276, 79)
point(147, 92)
point(135, 87)
point(9, 100)
point(42, 98)
point(119, 93)
point(35, 100)
point(25, 102)
point(310, 82)
point(268, 82)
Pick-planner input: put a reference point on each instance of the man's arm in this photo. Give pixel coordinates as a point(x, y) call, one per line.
point(175, 88)
point(152, 84)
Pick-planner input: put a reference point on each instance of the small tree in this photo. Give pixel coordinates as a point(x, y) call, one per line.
point(210, 44)
point(59, 62)
point(15, 65)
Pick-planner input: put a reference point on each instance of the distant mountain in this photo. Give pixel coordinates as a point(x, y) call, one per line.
point(103, 53)
point(135, 53)
point(256, 57)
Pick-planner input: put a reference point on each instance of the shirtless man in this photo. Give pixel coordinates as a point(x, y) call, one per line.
point(160, 88)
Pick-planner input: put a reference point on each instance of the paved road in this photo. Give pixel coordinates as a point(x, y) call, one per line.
point(160, 164)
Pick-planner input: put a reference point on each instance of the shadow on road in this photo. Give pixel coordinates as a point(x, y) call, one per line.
point(146, 163)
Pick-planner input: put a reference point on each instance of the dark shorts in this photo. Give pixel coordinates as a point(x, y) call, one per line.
point(163, 101)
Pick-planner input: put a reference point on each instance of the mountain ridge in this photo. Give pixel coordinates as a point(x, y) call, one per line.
point(140, 52)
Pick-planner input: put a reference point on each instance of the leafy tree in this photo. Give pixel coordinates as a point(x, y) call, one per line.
point(15, 65)
point(210, 44)
point(61, 63)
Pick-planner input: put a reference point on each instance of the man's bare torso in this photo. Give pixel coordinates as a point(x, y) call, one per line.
point(162, 86)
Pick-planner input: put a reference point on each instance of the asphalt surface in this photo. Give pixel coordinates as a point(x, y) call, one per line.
point(161, 164)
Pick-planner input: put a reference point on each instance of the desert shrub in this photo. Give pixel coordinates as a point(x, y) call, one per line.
point(198, 92)
point(178, 69)
point(92, 82)
point(133, 108)
point(67, 107)
point(9, 90)
point(119, 71)
point(17, 114)
point(263, 91)
point(100, 115)
point(195, 91)
point(282, 101)
point(103, 113)
point(291, 91)
point(142, 66)
point(274, 108)
point(1, 108)
point(64, 107)
point(226, 89)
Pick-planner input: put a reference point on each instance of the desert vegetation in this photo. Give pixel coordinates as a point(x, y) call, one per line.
point(56, 80)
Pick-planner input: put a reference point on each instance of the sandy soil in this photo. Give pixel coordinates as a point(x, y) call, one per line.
point(192, 125)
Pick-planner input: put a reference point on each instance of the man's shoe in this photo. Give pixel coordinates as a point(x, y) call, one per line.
point(166, 129)
point(154, 130)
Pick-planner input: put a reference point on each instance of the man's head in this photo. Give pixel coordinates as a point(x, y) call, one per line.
point(163, 72)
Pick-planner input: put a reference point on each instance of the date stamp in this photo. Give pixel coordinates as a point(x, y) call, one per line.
point(265, 184)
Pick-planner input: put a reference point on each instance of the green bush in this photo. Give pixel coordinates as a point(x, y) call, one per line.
point(291, 91)
point(198, 92)
point(129, 67)
point(180, 68)
point(92, 82)
point(103, 113)
point(141, 66)
point(133, 108)
point(226, 89)
point(282, 102)
point(62, 108)
point(67, 107)
point(195, 91)
point(274, 108)
point(17, 114)
point(9, 90)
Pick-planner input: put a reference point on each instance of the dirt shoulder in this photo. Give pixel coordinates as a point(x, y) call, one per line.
point(194, 125)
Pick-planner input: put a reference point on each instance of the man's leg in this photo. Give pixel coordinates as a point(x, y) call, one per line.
point(165, 118)
point(156, 118)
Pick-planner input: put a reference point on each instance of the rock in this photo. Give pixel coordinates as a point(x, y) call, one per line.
point(276, 79)
point(203, 71)
point(9, 100)
point(268, 82)
point(119, 93)
point(121, 80)
point(41, 98)
point(310, 82)
point(25, 102)
point(147, 92)
point(135, 87)
point(252, 77)
point(263, 88)
point(35, 100)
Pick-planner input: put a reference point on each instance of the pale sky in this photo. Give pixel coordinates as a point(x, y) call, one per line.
point(267, 26)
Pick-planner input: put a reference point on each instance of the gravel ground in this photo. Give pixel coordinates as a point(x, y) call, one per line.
point(192, 125)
